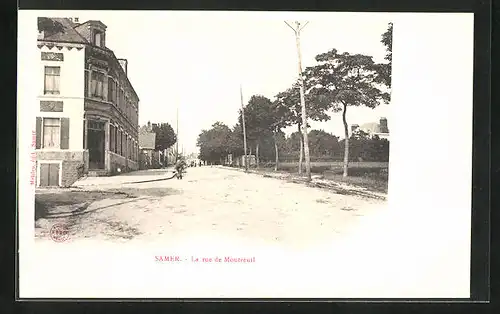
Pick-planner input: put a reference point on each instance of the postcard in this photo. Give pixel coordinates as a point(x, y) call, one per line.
point(195, 154)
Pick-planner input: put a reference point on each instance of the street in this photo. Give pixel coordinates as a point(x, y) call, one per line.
point(209, 201)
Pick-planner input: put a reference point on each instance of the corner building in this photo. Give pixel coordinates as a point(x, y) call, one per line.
point(88, 111)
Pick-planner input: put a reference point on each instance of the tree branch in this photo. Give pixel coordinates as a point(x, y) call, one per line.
point(294, 30)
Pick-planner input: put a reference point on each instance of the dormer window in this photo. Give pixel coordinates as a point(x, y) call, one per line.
point(98, 38)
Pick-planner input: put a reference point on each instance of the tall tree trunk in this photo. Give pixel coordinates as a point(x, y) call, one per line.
point(276, 153)
point(301, 151)
point(257, 154)
point(346, 141)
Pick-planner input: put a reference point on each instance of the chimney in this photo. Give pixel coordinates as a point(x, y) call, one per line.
point(149, 126)
point(76, 20)
point(124, 64)
point(383, 125)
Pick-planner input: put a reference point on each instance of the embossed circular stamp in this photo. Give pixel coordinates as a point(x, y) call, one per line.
point(59, 232)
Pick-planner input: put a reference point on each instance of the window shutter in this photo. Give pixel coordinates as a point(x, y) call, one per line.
point(64, 133)
point(38, 132)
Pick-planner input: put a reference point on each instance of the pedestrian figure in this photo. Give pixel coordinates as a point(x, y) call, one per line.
point(179, 167)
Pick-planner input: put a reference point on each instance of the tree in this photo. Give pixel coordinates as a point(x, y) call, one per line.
point(387, 41)
point(213, 143)
point(281, 118)
point(259, 118)
point(344, 80)
point(316, 111)
point(235, 143)
point(165, 136)
point(385, 69)
point(323, 143)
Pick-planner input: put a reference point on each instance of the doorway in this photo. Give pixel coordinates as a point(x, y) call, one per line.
point(49, 174)
point(96, 143)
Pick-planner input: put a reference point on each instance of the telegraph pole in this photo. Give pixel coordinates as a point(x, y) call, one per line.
point(244, 129)
point(297, 29)
point(177, 135)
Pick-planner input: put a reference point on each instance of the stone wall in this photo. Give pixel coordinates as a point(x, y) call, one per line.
point(116, 161)
point(74, 164)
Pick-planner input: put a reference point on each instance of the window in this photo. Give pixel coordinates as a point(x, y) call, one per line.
point(98, 39)
point(51, 132)
point(97, 84)
point(115, 148)
point(112, 139)
point(129, 148)
point(124, 144)
point(120, 99)
point(119, 152)
point(86, 83)
point(52, 80)
point(111, 90)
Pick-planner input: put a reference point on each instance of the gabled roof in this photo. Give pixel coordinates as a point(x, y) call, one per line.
point(60, 29)
point(146, 139)
point(372, 127)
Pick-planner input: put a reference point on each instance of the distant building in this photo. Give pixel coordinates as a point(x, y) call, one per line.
point(87, 109)
point(170, 155)
point(147, 140)
point(380, 129)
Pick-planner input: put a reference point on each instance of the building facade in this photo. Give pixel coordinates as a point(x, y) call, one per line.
point(379, 129)
point(147, 155)
point(87, 117)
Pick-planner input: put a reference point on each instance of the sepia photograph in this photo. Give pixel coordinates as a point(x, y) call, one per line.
point(237, 154)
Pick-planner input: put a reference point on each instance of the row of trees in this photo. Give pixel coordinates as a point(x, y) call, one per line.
point(220, 141)
point(338, 81)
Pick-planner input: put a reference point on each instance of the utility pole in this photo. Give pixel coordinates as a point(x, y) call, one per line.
point(177, 135)
point(297, 29)
point(244, 129)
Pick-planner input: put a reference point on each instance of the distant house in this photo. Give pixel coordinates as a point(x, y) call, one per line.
point(373, 128)
point(147, 139)
point(170, 155)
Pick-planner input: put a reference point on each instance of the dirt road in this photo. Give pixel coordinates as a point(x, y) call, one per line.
point(209, 201)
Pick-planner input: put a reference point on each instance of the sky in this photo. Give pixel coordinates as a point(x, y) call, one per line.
point(194, 62)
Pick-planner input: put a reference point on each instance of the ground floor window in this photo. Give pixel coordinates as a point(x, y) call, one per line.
point(124, 144)
point(119, 142)
point(51, 132)
point(112, 138)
